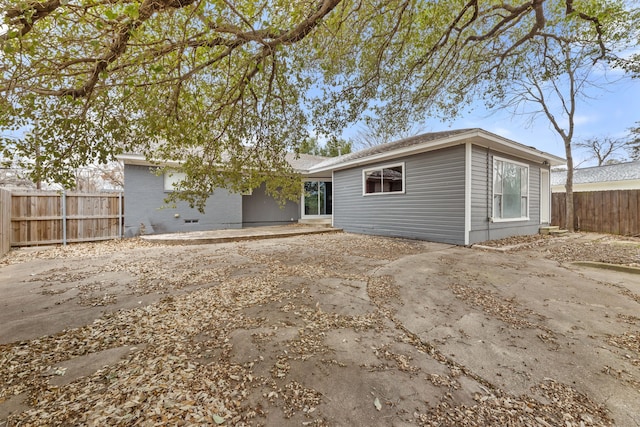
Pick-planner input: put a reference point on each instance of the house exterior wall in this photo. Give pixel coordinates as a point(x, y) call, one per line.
point(482, 228)
point(431, 208)
point(144, 204)
point(260, 209)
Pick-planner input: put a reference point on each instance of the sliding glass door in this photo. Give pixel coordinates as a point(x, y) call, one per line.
point(317, 198)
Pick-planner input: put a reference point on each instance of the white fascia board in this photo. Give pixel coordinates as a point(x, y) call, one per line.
point(131, 159)
point(140, 160)
point(332, 198)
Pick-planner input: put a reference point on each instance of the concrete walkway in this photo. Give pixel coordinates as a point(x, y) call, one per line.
point(237, 234)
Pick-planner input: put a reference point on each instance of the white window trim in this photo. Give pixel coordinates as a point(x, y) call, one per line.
point(545, 190)
point(333, 173)
point(385, 166)
point(493, 168)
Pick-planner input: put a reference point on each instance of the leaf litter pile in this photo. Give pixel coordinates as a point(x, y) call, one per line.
point(608, 249)
point(179, 368)
point(578, 247)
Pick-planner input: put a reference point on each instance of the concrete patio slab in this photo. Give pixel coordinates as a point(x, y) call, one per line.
point(237, 234)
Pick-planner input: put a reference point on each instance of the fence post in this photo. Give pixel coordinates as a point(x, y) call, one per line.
point(120, 214)
point(63, 200)
point(5, 221)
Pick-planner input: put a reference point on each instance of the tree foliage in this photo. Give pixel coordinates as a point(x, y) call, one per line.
point(633, 142)
point(332, 148)
point(629, 59)
point(226, 87)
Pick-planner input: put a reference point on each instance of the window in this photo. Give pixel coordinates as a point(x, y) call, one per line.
point(384, 179)
point(171, 179)
point(318, 197)
point(510, 190)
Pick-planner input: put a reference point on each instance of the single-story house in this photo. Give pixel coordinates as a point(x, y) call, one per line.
point(619, 176)
point(459, 186)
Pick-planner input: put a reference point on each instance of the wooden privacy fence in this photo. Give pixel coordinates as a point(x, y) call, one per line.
point(42, 218)
point(5, 221)
point(615, 211)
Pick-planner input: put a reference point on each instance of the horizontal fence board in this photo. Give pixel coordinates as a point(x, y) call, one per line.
point(55, 242)
point(613, 212)
point(57, 194)
point(59, 217)
point(37, 217)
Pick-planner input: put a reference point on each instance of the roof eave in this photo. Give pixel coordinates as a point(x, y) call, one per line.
point(140, 160)
point(392, 154)
point(499, 143)
point(476, 136)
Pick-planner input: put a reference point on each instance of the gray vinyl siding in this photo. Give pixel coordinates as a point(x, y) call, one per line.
point(482, 228)
point(432, 207)
point(144, 204)
point(260, 209)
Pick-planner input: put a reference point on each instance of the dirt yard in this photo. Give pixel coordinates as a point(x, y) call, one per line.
point(336, 329)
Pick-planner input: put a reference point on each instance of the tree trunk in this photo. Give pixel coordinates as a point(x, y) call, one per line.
point(570, 220)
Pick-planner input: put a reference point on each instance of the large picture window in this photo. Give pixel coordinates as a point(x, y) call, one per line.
point(510, 190)
point(384, 179)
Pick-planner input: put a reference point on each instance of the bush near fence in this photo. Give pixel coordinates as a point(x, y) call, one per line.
point(44, 218)
point(614, 212)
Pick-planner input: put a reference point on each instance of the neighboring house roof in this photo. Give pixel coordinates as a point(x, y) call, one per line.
point(433, 141)
point(614, 172)
point(620, 176)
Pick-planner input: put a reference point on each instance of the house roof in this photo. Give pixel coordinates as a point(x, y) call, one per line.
point(390, 146)
point(607, 173)
point(432, 141)
point(317, 165)
point(303, 162)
